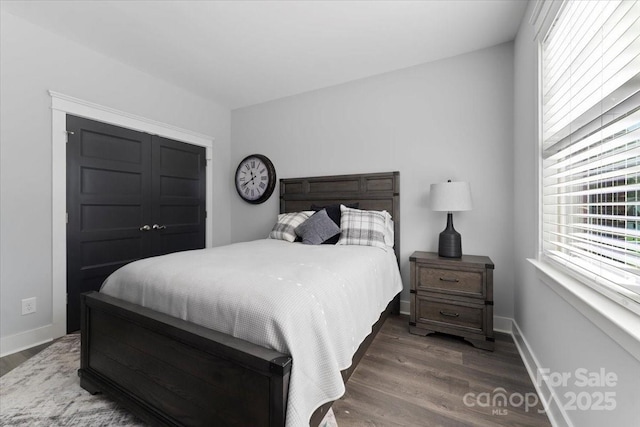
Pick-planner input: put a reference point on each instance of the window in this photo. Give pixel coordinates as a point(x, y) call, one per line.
point(591, 145)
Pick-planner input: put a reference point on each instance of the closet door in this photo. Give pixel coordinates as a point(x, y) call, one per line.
point(178, 196)
point(108, 202)
point(130, 195)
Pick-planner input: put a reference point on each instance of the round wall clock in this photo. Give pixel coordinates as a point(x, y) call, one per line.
point(255, 178)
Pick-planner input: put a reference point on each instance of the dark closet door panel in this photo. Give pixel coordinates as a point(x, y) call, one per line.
point(178, 196)
point(171, 186)
point(108, 253)
point(108, 169)
point(102, 143)
point(180, 242)
point(109, 181)
point(112, 217)
point(178, 159)
point(180, 215)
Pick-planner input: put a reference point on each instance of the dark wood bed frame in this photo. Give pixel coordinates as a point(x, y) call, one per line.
point(171, 372)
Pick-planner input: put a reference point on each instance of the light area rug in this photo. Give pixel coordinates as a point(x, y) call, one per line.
point(45, 391)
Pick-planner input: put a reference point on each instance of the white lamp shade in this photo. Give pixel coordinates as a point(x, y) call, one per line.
point(451, 196)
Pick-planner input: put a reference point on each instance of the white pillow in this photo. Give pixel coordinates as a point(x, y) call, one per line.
point(285, 226)
point(366, 228)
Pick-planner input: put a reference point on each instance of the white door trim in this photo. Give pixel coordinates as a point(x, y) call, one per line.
point(61, 105)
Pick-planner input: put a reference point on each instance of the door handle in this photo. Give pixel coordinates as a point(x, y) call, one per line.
point(159, 227)
point(145, 227)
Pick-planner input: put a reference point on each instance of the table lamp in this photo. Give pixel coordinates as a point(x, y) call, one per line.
point(450, 197)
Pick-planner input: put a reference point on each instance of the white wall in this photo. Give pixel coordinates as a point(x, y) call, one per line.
point(450, 119)
point(561, 339)
point(32, 62)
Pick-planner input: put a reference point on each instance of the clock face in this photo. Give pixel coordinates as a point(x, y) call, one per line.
point(255, 178)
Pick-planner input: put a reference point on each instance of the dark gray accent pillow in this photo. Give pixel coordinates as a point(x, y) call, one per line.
point(318, 228)
point(334, 213)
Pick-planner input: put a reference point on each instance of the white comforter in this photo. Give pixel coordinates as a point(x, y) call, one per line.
point(316, 303)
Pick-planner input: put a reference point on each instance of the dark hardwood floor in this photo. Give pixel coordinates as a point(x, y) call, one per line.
point(409, 380)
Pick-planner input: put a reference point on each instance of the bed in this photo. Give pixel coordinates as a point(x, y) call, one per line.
point(170, 371)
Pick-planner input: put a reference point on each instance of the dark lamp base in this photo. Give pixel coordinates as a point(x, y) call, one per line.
point(450, 243)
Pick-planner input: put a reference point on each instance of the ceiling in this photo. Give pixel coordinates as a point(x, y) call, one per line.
point(241, 53)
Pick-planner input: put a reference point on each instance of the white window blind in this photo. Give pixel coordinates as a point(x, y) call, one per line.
point(591, 144)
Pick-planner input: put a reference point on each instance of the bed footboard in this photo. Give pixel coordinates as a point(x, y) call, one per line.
point(171, 372)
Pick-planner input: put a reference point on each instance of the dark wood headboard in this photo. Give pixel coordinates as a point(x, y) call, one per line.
point(374, 191)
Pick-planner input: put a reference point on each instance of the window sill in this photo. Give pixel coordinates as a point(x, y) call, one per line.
point(620, 324)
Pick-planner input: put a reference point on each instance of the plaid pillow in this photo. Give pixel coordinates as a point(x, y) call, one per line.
point(285, 227)
point(365, 228)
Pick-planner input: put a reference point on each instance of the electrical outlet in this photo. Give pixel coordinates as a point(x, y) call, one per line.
point(29, 305)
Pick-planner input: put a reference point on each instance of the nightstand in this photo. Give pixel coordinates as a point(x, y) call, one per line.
point(454, 296)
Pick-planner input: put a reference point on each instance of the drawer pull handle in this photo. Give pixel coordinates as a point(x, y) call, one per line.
point(444, 279)
point(449, 314)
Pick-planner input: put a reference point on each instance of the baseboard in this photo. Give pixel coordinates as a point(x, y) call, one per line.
point(24, 340)
point(405, 307)
point(554, 409)
point(503, 324)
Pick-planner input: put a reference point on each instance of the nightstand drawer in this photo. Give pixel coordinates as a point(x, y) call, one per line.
point(465, 316)
point(468, 283)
